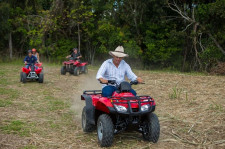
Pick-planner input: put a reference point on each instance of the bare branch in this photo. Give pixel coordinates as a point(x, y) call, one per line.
point(200, 42)
point(187, 26)
point(216, 42)
point(173, 6)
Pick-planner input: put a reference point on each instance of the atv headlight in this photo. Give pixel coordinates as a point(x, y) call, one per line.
point(145, 107)
point(120, 108)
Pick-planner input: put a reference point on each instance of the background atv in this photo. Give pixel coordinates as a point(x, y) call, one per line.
point(114, 114)
point(34, 72)
point(74, 67)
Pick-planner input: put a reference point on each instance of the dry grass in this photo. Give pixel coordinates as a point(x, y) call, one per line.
point(48, 115)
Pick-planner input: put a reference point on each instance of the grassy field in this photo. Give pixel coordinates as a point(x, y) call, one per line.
point(191, 110)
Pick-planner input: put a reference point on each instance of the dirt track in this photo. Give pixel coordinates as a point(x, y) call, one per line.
point(191, 110)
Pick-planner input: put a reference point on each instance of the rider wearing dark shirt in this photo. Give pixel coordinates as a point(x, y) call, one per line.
point(29, 59)
point(75, 55)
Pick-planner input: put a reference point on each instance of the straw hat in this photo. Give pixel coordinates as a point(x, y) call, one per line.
point(119, 52)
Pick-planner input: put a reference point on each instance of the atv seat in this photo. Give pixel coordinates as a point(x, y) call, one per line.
point(124, 87)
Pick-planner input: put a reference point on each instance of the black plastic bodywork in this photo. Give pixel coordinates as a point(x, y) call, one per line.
point(90, 109)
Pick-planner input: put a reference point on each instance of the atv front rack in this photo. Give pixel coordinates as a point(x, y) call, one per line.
point(132, 100)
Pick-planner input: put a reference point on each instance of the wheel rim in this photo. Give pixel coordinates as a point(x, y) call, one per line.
point(100, 131)
point(84, 120)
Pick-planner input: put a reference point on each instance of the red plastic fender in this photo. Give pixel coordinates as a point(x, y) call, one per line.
point(83, 64)
point(25, 70)
point(38, 64)
point(76, 63)
point(103, 103)
point(38, 70)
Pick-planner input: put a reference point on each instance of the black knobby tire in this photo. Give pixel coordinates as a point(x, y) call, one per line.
point(76, 71)
point(85, 69)
point(24, 77)
point(87, 127)
point(21, 75)
point(151, 130)
point(41, 78)
point(105, 130)
point(63, 70)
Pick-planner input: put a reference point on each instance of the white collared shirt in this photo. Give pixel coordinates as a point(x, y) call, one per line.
point(109, 71)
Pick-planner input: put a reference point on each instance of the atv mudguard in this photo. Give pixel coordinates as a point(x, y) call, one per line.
point(90, 109)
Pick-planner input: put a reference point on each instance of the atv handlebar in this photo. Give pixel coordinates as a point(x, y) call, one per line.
point(113, 82)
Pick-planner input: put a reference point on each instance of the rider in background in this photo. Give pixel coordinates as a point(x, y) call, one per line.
point(75, 55)
point(115, 69)
point(36, 54)
point(29, 59)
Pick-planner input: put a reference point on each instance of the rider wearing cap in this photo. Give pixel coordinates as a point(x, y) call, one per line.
point(35, 53)
point(115, 69)
point(75, 55)
point(29, 59)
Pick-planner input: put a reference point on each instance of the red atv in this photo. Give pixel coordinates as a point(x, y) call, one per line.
point(34, 72)
point(122, 110)
point(74, 67)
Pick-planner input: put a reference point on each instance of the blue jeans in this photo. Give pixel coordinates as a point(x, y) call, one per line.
point(27, 66)
point(108, 90)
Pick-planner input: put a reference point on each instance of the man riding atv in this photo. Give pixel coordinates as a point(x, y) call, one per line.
point(115, 69)
point(29, 59)
point(75, 55)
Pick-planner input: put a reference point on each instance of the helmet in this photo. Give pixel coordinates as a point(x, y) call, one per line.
point(29, 51)
point(34, 50)
point(75, 49)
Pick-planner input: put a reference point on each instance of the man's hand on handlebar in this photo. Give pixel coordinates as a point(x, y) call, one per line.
point(140, 80)
point(103, 81)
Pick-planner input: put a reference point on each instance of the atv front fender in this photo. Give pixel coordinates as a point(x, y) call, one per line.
point(103, 104)
point(90, 109)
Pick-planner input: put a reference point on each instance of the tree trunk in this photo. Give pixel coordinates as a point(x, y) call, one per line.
point(195, 27)
point(10, 46)
point(78, 28)
point(195, 43)
point(185, 56)
point(93, 56)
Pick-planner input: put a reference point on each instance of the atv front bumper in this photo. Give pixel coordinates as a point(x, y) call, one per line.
point(131, 112)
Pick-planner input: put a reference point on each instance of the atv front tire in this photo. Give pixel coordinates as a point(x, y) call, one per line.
point(105, 130)
point(87, 127)
point(151, 128)
point(41, 78)
point(63, 70)
point(76, 71)
point(24, 77)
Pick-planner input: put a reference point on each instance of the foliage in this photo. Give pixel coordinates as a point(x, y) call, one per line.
point(149, 30)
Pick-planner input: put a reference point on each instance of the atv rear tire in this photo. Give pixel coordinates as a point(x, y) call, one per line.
point(63, 70)
point(105, 130)
point(151, 130)
point(21, 75)
point(24, 77)
point(41, 78)
point(76, 71)
point(87, 127)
